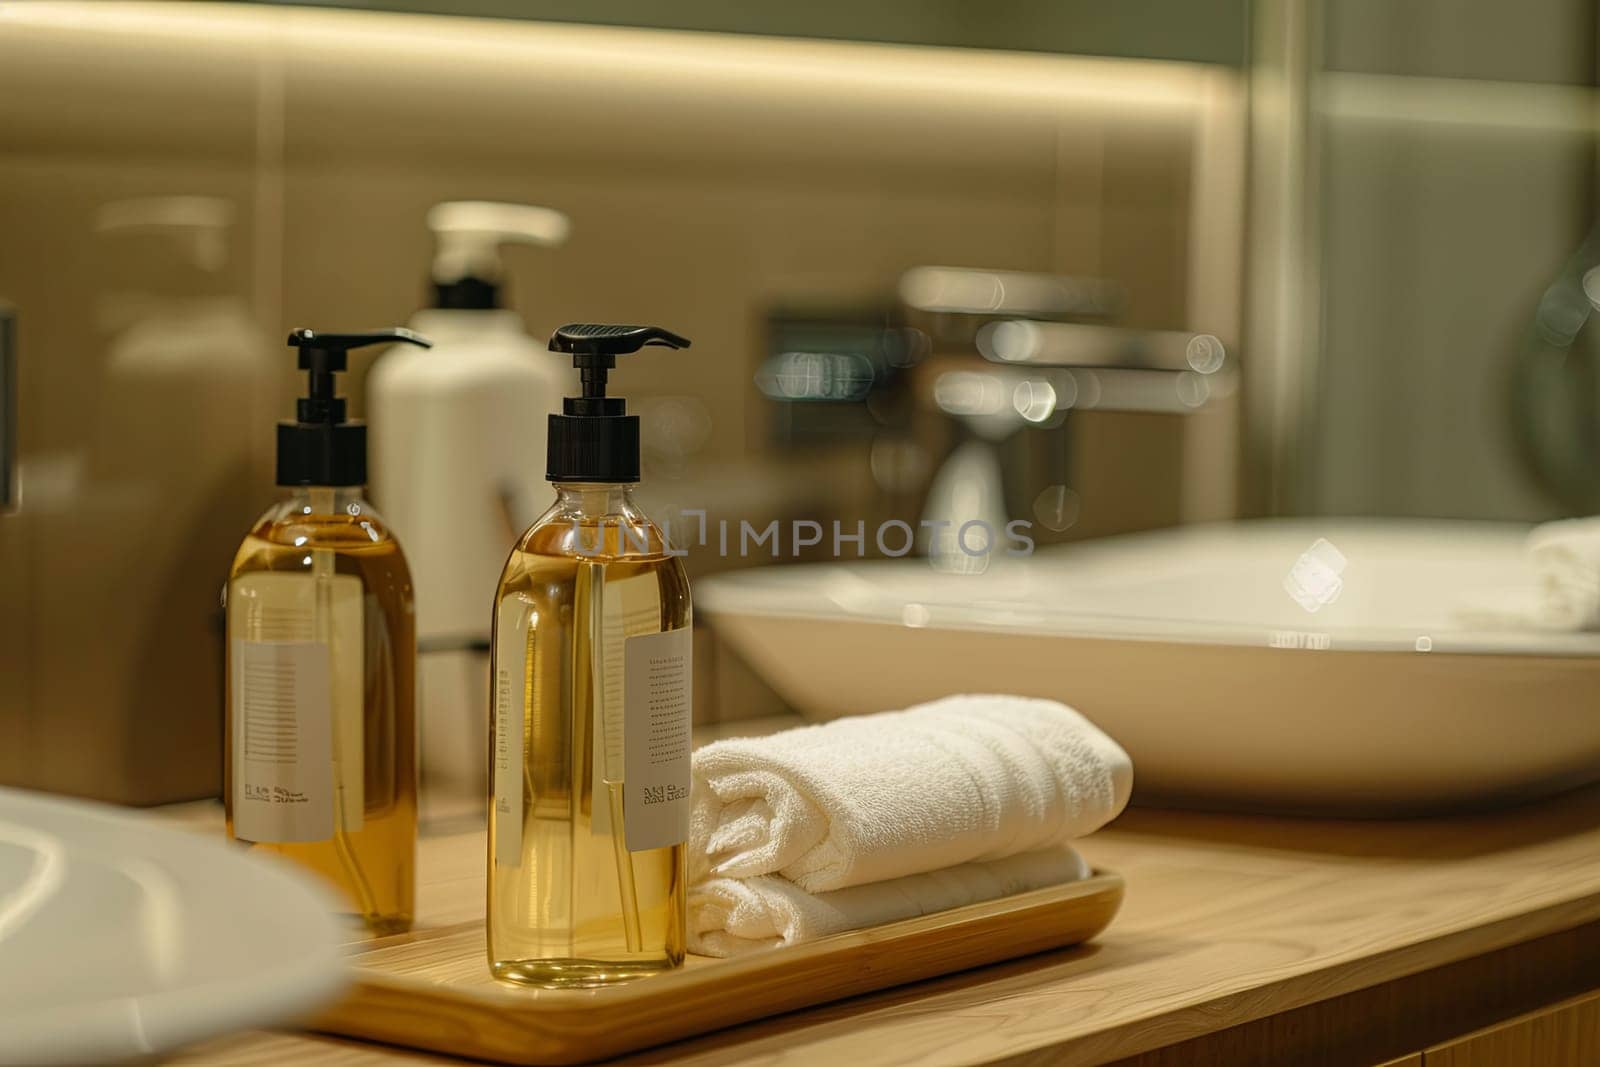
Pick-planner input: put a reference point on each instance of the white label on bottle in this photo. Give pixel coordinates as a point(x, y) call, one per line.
point(296, 680)
point(283, 741)
point(510, 723)
point(658, 679)
point(628, 607)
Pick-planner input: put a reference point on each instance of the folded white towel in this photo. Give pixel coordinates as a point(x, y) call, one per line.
point(1560, 592)
point(1566, 557)
point(874, 797)
point(728, 916)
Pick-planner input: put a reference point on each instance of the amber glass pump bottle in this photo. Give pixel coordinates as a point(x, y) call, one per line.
point(591, 708)
point(320, 760)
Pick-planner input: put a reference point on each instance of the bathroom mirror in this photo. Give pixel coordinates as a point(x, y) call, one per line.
point(1450, 373)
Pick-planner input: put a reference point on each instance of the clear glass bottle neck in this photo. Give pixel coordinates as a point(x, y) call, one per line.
point(343, 501)
point(326, 499)
point(596, 499)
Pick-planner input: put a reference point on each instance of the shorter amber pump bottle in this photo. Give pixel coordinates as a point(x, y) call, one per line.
point(320, 747)
point(592, 673)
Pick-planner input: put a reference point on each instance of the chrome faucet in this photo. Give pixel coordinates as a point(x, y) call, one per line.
point(1038, 364)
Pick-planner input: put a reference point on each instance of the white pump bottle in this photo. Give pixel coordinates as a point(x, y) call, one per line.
point(457, 453)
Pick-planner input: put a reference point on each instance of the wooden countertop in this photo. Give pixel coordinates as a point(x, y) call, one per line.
point(1228, 919)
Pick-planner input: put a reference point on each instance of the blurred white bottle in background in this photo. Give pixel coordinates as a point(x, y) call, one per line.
point(458, 457)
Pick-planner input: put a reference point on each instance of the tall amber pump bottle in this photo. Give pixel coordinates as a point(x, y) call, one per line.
point(321, 748)
point(591, 708)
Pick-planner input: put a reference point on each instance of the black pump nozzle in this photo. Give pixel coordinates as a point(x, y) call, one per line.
point(321, 447)
point(595, 347)
point(324, 354)
point(593, 440)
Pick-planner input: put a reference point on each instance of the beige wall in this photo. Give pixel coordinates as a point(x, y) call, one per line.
point(707, 177)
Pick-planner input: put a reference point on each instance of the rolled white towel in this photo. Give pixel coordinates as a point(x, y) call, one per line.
point(1566, 558)
point(875, 797)
point(728, 916)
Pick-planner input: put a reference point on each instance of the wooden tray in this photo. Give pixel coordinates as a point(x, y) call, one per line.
point(431, 989)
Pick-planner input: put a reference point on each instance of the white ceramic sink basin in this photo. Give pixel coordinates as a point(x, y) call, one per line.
point(1185, 646)
point(121, 939)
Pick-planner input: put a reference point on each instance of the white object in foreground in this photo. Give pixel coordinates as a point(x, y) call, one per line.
point(120, 938)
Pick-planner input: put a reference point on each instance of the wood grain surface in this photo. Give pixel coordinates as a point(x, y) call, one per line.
point(1228, 919)
point(432, 989)
point(1562, 1035)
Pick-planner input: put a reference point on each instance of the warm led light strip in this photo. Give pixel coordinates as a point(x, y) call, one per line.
point(831, 67)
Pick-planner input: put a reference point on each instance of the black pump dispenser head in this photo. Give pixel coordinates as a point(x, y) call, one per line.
point(322, 447)
point(593, 439)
